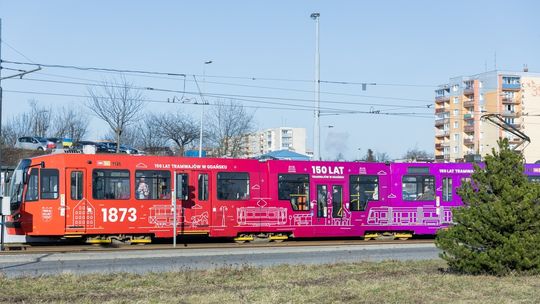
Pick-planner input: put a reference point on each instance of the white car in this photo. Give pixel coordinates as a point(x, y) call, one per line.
point(34, 143)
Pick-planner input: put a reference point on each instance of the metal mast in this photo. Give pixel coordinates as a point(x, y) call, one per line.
point(317, 133)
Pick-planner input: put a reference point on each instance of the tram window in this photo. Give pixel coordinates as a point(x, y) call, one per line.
point(49, 183)
point(534, 179)
point(202, 187)
point(337, 201)
point(233, 186)
point(152, 184)
point(418, 188)
point(76, 185)
point(447, 189)
point(183, 180)
point(294, 188)
point(32, 190)
point(110, 184)
point(322, 201)
point(363, 188)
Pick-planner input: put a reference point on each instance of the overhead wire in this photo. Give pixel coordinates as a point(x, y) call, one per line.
point(222, 95)
point(332, 111)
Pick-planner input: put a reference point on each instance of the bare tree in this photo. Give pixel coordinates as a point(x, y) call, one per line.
point(129, 137)
point(382, 157)
point(150, 134)
point(117, 103)
point(35, 122)
point(228, 124)
point(179, 128)
point(71, 123)
point(417, 154)
point(40, 119)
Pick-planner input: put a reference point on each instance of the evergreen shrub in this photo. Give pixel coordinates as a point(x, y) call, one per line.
point(497, 231)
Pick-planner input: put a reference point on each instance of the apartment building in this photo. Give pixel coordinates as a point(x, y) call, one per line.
point(282, 138)
point(460, 104)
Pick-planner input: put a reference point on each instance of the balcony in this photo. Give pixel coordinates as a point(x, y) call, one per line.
point(468, 103)
point(440, 110)
point(468, 117)
point(441, 121)
point(442, 133)
point(514, 140)
point(469, 129)
point(511, 86)
point(468, 91)
point(438, 146)
point(510, 100)
point(442, 99)
point(468, 142)
point(511, 114)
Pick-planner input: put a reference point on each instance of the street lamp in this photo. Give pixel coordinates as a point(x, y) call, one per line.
point(317, 131)
point(203, 103)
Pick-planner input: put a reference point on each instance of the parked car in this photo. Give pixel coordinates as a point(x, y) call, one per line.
point(123, 148)
point(34, 143)
point(61, 142)
point(100, 147)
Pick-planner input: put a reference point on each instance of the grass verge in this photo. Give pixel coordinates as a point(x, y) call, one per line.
point(386, 282)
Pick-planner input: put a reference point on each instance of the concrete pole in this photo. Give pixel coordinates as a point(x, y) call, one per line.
point(317, 132)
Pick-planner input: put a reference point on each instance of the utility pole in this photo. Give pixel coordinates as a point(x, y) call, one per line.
point(317, 133)
point(202, 110)
point(2, 216)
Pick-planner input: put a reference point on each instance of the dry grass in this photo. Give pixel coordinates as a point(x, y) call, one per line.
point(387, 282)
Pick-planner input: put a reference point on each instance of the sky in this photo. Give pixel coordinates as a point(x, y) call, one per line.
point(263, 55)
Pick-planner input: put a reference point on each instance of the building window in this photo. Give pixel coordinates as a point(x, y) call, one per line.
point(456, 113)
point(455, 149)
point(418, 188)
point(295, 189)
point(456, 124)
point(363, 188)
point(456, 137)
point(233, 186)
point(49, 183)
point(455, 88)
point(456, 100)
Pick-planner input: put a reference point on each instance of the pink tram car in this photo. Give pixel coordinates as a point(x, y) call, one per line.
point(101, 197)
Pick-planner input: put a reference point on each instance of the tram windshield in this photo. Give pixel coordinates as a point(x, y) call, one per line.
point(16, 185)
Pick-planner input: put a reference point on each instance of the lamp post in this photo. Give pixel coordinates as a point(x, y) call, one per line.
point(202, 110)
point(317, 131)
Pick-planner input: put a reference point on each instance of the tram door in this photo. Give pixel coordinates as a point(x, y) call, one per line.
point(329, 205)
point(79, 213)
point(193, 203)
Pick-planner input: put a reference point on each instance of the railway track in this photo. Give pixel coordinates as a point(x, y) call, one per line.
point(208, 244)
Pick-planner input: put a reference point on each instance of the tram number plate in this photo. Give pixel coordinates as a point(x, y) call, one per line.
point(119, 214)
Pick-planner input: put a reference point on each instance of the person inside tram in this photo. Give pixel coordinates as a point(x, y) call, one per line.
point(428, 194)
point(142, 190)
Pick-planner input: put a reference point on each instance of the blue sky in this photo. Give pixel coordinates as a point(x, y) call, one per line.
point(419, 44)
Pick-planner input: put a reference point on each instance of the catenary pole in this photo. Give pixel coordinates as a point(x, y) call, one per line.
point(317, 133)
point(2, 192)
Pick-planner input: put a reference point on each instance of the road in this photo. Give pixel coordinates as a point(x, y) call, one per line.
point(141, 261)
